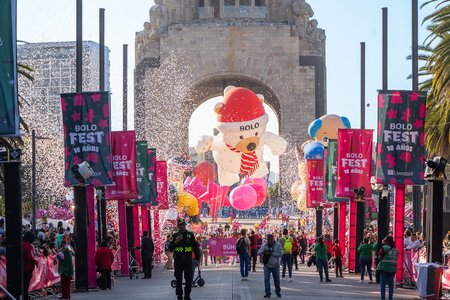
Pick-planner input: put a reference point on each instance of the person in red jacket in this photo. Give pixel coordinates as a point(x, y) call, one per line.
point(337, 254)
point(104, 259)
point(29, 262)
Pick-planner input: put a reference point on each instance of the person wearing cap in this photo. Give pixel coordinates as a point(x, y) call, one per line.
point(183, 244)
point(387, 265)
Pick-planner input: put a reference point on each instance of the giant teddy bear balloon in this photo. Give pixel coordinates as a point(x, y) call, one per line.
point(238, 148)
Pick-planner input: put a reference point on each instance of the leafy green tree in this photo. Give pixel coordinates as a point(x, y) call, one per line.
point(436, 54)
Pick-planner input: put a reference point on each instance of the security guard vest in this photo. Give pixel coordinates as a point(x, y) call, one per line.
point(389, 260)
point(184, 248)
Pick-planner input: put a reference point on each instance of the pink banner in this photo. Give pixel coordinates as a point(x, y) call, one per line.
point(399, 227)
point(342, 226)
point(137, 233)
point(352, 235)
point(354, 161)
point(157, 235)
point(144, 218)
point(222, 247)
point(161, 184)
point(124, 166)
point(315, 182)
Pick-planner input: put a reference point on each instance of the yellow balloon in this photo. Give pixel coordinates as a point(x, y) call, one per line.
point(188, 203)
point(295, 189)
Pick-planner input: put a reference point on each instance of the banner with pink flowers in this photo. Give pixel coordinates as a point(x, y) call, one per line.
point(124, 166)
point(162, 185)
point(315, 182)
point(87, 135)
point(401, 144)
point(354, 161)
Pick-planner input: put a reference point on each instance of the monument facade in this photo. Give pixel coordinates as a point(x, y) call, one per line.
point(190, 50)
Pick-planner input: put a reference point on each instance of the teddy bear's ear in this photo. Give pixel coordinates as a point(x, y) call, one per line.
point(228, 88)
point(261, 97)
point(218, 107)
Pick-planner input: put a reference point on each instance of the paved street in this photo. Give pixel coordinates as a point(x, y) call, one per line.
point(225, 283)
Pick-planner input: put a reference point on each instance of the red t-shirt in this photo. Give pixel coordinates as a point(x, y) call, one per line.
point(337, 251)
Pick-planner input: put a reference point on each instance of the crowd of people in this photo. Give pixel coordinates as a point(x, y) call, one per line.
point(281, 248)
point(278, 248)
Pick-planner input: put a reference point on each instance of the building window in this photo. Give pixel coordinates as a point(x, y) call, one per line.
point(215, 7)
point(260, 3)
point(244, 2)
point(201, 3)
point(229, 2)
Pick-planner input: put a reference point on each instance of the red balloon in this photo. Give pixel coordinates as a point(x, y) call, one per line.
point(260, 192)
point(204, 171)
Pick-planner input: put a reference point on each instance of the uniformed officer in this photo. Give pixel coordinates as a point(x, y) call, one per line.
point(183, 244)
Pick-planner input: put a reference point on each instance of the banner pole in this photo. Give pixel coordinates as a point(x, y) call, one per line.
point(81, 274)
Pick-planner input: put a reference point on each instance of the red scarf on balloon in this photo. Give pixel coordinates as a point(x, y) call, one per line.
point(249, 161)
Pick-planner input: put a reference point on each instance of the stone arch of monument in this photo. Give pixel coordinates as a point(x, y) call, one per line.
point(213, 85)
point(275, 49)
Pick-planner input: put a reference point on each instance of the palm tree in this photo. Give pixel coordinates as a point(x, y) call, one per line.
point(436, 54)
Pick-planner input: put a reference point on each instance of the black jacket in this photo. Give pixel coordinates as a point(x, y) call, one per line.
point(147, 247)
point(184, 249)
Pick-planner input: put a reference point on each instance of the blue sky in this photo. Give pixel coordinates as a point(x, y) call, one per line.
point(346, 22)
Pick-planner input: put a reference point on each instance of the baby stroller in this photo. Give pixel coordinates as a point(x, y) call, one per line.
point(197, 280)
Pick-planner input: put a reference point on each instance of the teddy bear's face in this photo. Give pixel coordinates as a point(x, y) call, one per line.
point(244, 140)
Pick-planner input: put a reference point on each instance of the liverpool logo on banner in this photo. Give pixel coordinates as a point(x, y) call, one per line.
point(315, 182)
point(9, 108)
point(153, 191)
point(354, 161)
point(87, 135)
point(124, 166)
point(142, 172)
point(401, 147)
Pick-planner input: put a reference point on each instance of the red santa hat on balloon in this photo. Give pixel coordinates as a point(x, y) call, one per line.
point(240, 108)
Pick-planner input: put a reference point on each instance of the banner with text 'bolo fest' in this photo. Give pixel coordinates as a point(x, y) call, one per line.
point(314, 182)
point(354, 161)
point(401, 146)
point(162, 184)
point(9, 106)
point(142, 173)
point(153, 191)
point(124, 166)
point(87, 135)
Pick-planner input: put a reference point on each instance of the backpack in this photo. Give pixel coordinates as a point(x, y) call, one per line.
point(287, 245)
point(240, 246)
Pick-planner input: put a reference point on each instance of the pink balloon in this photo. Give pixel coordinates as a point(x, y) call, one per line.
point(261, 193)
point(243, 197)
point(260, 186)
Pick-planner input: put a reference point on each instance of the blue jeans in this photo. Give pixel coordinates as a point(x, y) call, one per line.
point(276, 279)
point(322, 265)
point(286, 259)
point(389, 277)
point(365, 263)
point(244, 261)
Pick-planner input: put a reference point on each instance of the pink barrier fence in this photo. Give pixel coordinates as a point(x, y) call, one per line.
point(43, 276)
